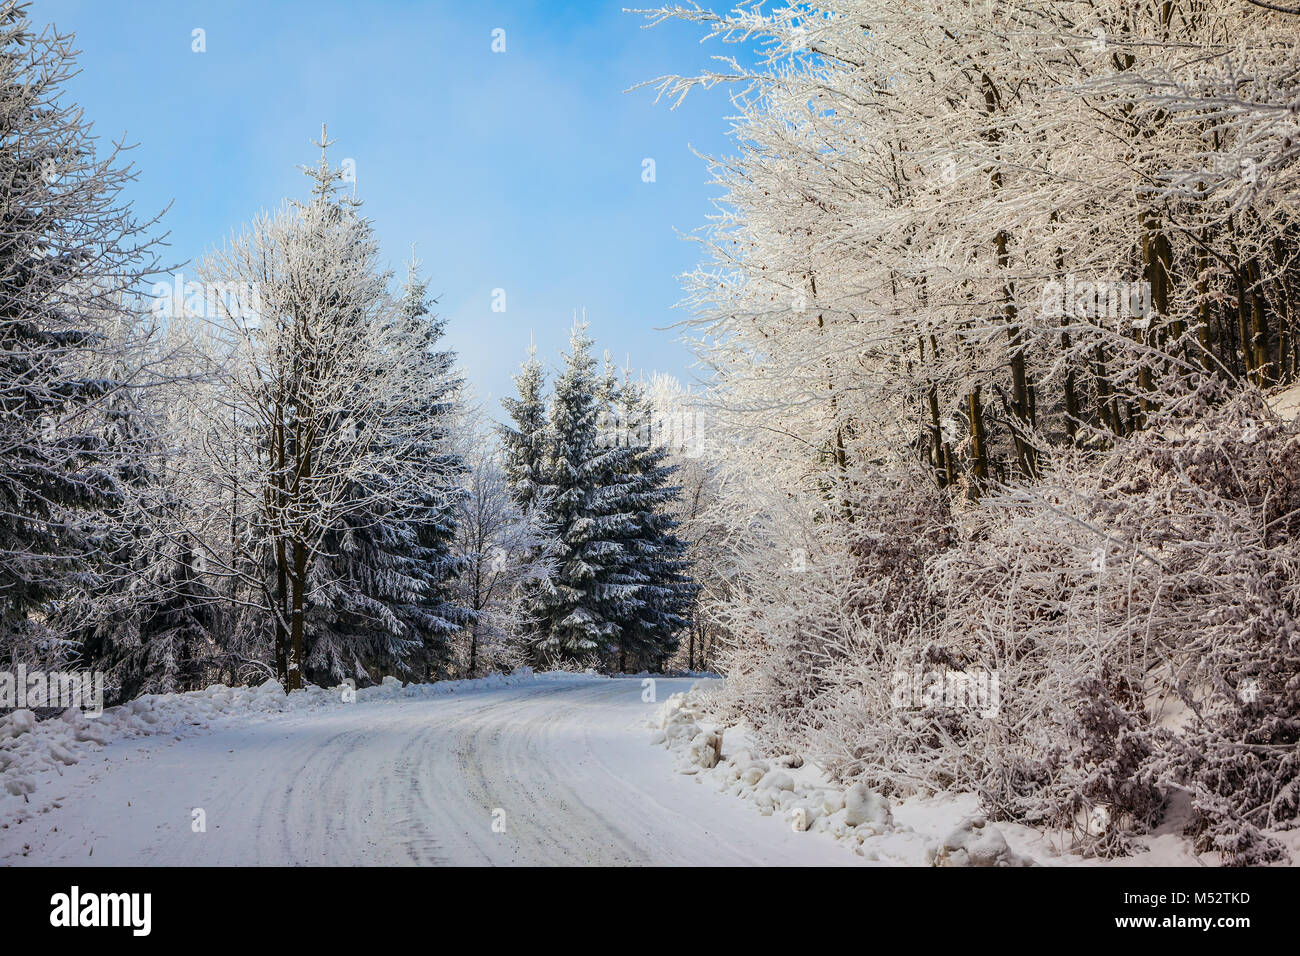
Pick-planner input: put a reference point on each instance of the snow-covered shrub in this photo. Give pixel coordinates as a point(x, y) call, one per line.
point(1135, 608)
point(1086, 517)
point(819, 617)
point(1142, 610)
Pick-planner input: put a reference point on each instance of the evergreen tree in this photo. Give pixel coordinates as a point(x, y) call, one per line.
point(526, 449)
point(151, 626)
point(656, 592)
point(527, 442)
point(576, 612)
point(433, 611)
point(70, 253)
point(332, 436)
point(381, 590)
point(176, 630)
point(359, 576)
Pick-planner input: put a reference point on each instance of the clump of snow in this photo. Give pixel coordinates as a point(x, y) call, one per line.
point(675, 726)
point(705, 749)
point(22, 721)
point(977, 843)
point(864, 808)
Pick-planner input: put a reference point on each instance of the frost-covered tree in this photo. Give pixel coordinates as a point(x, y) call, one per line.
point(388, 570)
point(150, 620)
point(649, 583)
point(71, 257)
point(180, 622)
point(323, 425)
point(526, 446)
point(596, 474)
point(575, 609)
point(434, 611)
point(505, 552)
point(526, 438)
point(681, 427)
point(971, 256)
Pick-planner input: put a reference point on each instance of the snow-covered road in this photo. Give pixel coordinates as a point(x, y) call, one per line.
point(409, 781)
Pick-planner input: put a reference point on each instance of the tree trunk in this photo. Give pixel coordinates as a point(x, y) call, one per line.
point(299, 582)
point(975, 413)
point(1259, 331)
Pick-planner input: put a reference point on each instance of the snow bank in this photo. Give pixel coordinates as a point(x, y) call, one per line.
point(947, 829)
point(858, 817)
point(28, 746)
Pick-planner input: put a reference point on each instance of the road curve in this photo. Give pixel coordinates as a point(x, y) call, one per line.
point(544, 773)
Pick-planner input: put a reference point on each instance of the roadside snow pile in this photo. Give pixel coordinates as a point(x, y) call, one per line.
point(29, 747)
point(855, 815)
point(676, 728)
point(976, 843)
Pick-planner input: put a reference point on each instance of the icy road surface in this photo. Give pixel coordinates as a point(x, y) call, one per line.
point(408, 781)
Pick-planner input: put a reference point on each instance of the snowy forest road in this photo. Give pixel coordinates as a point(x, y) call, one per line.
point(565, 765)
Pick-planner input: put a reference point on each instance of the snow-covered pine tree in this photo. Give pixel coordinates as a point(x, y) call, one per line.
point(319, 432)
point(433, 611)
point(358, 576)
point(176, 630)
point(381, 600)
point(624, 579)
point(526, 444)
point(576, 612)
point(654, 592)
point(151, 619)
point(70, 252)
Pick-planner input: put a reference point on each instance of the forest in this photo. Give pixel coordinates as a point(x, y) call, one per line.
point(990, 483)
point(993, 310)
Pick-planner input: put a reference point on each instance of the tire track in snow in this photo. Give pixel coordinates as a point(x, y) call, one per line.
point(413, 781)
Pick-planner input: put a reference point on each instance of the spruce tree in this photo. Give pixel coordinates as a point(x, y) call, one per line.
point(382, 598)
point(336, 440)
point(526, 443)
point(152, 624)
point(576, 612)
point(176, 630)
point(526, 447)
point(357, 577)
point(657, 592)
point(432, 610)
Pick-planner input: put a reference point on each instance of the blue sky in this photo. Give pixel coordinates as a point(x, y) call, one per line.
point(520, 170)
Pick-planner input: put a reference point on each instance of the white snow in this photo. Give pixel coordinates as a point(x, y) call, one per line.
point(418, 774)
point(28, 746)
point(415, 774)
point(1286, 403)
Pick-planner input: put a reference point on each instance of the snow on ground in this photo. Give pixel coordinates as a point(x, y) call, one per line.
point(1286, 403)
point(943, 830)
point(28, 746)
point(529, 769)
